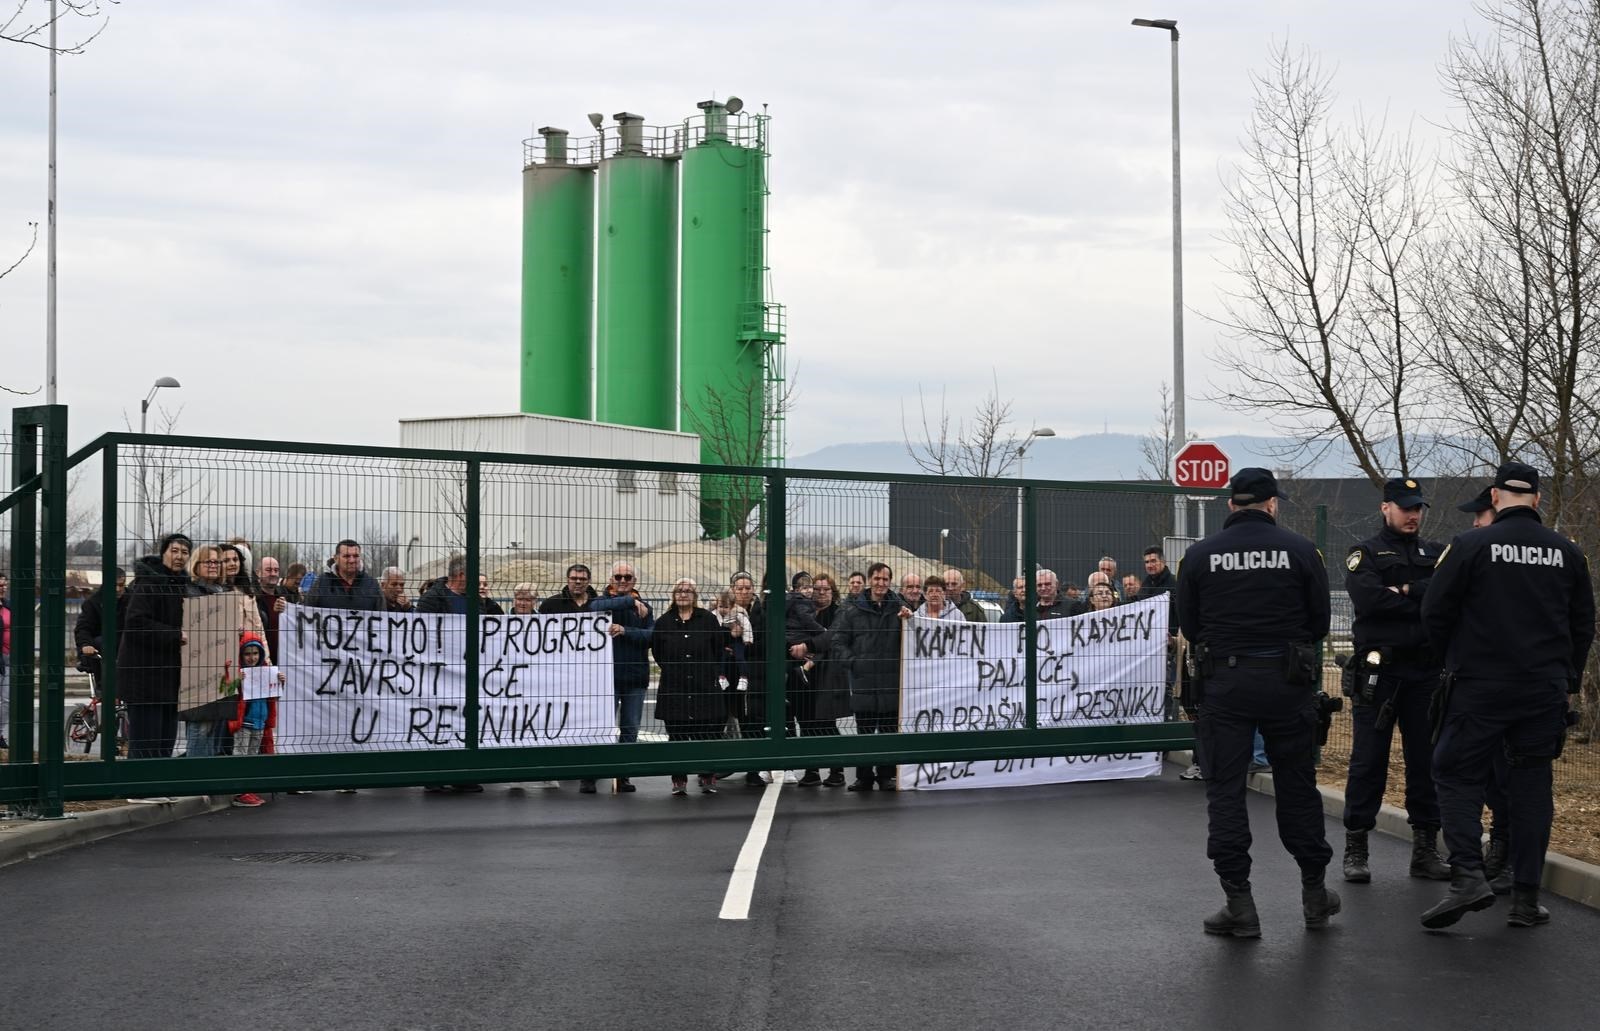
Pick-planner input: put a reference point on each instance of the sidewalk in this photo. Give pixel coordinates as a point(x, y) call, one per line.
point(24, 839)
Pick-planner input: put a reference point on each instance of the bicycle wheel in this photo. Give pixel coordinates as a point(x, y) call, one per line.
point(82, 728)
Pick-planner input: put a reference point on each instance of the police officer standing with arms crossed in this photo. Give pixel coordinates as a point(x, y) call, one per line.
point(1512, 608)
point(1395, 673)
point(1253, 601)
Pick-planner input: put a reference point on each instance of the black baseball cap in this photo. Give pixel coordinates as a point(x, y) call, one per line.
point(1515, 476)
point(1405, 492)
point(1481, 503)
point(1252, 486)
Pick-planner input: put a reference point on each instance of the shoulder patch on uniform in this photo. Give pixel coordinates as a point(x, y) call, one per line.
point(1353, 563)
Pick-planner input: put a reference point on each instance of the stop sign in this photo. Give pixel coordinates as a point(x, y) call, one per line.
point(1201, 465)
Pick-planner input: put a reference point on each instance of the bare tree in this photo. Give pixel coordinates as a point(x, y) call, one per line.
point(32, 241)
point(171, 491)
point(1326, 227)
point(985, 445)
point(30, 22)
point(738, 425)
point(1157, 447)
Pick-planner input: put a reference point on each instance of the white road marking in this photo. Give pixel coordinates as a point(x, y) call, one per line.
point(742, 885)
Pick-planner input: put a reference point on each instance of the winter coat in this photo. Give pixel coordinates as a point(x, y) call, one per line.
point(1061, 607)
point(630, 652)
point(562, 603)
point(240, 618)
point(750, 706)
point(868, 645)
point(237, 719)
point(1163, 583)
point(689, 652)
point(89, 630)
point(822, 695)
point(149, 644)
point(331, 592)
point(969, 607)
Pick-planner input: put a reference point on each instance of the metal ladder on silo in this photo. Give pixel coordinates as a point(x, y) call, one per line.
point(762, 321)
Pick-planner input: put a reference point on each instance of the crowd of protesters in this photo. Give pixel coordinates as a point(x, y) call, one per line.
point(841, 645)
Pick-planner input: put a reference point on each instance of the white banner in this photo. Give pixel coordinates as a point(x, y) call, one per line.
point(1106, 667)
point(380, 681)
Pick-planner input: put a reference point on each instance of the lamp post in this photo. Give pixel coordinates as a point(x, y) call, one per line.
point(1022, 454)
point(144, 469)
point(1179, 430)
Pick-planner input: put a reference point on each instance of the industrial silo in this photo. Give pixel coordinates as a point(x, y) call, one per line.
point(636, 326)
point(722, 348)
point(557, 280)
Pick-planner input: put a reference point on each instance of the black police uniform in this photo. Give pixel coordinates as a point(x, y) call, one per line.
point(1513, 610)
point(1389, 622)
point(1251, 596)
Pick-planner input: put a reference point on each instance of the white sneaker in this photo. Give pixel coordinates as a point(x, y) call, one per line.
point(1192, 773)
point(744, 684)
point(722, 682)
point(548, 783)
point(154, 800)
point(790, 777)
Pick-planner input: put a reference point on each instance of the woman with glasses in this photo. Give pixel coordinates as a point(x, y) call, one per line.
point(524, 599)
point(206, 723)
point(687, 642)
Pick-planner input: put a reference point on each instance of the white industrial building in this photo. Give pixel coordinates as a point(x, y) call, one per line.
point(553, 508)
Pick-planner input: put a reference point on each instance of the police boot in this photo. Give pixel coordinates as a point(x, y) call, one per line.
point(1317, 901)
point(1356, 870)
point(1425, 861)
point(1238, 917)
point(1497, 865)
point(1525, 908)
point(1469, 892)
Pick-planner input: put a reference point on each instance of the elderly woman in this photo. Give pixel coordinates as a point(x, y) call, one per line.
point(206, 724)
point(687, 644)
point(935, 602)
point(1101, 597)
point(524, 599)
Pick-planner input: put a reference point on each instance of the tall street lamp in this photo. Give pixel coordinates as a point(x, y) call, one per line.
point(1022, 454)
point(144, 468)
point(1179, 431)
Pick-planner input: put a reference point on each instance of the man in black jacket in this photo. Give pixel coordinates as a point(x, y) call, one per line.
point(869, 646)
point(1512, 609)
point(88, 633)
point(1051, 604)
point(1253, 601)
point(1387, 576)
point(346, 585)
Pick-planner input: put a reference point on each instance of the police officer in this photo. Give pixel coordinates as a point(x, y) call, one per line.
point(1396, 671)
point(1253, 600)
point(1512, 608)
point(1497, 857)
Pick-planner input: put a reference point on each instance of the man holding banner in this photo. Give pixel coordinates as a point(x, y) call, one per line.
point(1253, 602)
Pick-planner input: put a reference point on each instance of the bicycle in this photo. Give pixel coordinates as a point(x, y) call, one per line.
point(83, 723)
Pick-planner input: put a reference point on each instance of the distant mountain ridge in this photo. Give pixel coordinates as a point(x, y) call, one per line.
point(1092, 456)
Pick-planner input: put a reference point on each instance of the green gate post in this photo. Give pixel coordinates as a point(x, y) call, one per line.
point(474, 471)
point(777, 577)
point(24, 587)
point(108, 605)
point(1030, 560)
point(53, 611)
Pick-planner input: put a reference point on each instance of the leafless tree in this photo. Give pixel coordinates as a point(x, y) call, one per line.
point(170, 491)
point(1157, 447)
point(32, 241)
point(738, 425)
point(30, 23)
point(1326, 227)
point(985, 445)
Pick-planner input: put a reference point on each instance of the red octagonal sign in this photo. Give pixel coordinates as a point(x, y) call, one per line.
point(1201, 465)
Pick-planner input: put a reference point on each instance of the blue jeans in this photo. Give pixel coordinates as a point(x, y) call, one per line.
point(1258, 750)
point(206, 738)
point(630, 711)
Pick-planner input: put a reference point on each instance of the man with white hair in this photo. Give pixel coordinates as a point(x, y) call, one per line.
point(955, 586)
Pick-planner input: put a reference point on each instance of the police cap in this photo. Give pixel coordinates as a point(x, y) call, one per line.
point(1405, 492)
point(1481, 503)
point(1514, 476)
point(1252, 486)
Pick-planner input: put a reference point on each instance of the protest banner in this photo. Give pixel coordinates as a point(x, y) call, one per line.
point(210, 655)
point(1095, 668)
point(376, 681)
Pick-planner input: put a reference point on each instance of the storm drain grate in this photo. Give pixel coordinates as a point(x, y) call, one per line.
point(298, 857)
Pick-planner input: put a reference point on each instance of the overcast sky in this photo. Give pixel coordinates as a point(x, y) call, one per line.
point(309, 212)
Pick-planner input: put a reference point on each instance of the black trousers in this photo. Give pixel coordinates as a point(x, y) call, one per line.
point(1526, 719)
point(878, 723)
point(1369, 753)
point(692, 730)
point(1237, 702)
point(152, 729)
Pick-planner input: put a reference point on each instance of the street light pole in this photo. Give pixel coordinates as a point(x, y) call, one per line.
point(1022, 455)
point(50, 234)
point(144, 468)
point(1179, 428)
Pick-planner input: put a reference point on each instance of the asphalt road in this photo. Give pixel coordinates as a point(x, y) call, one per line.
point(1076, 906)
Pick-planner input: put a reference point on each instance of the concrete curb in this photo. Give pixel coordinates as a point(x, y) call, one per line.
point(21, 840)
point(1570, 878)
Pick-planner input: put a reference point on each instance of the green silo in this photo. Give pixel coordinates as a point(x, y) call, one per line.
point(557, 280)
point(722, 347)
point(635, 339)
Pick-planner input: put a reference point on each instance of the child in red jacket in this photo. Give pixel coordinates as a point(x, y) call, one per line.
point(252, 727)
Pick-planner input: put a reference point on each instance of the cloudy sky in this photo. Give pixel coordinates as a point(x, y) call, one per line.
point(309, 212)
